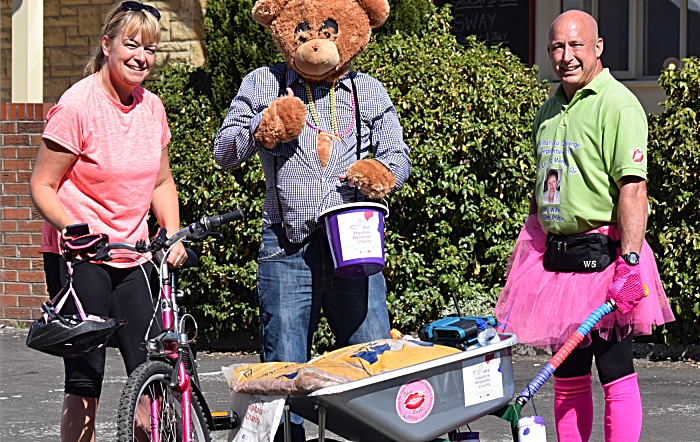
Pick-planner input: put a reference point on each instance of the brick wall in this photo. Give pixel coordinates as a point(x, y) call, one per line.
point(22, 288)
point(72, 29)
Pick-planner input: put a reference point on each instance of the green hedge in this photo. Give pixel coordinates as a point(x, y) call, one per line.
point(674, 190)
point(466, 115)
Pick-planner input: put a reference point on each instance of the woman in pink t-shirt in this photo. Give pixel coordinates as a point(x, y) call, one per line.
point(103, 161)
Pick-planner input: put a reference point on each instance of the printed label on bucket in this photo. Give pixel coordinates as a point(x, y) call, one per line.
point(483, 382)
point(359, 235)
point(415, 401)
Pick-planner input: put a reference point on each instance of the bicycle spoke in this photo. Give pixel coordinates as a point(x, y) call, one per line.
point(152, 410)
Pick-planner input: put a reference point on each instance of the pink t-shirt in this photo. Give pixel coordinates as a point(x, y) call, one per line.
point(119, 148)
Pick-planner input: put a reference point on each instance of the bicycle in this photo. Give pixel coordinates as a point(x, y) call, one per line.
point(162, 400)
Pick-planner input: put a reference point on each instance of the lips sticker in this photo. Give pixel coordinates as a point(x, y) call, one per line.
point(415, 401)
point(637, 155)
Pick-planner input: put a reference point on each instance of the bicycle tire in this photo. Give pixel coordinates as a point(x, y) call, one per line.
point(152, 379)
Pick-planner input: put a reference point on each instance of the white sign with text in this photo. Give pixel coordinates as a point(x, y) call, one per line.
point(359, 235)
point(483, 381)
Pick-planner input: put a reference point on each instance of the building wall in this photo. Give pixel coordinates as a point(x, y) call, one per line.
point(72, 30)
point(5, 50)
point(22, 287)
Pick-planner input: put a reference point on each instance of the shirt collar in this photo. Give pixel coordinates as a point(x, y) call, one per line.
point(293, 76)
point(595, 86)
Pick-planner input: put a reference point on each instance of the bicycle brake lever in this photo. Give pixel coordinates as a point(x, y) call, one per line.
point(159, 240)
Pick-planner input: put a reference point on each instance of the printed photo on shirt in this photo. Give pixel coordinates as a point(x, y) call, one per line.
point(552, 186)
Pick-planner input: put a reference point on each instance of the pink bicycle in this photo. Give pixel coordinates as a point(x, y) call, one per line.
point(162, 400)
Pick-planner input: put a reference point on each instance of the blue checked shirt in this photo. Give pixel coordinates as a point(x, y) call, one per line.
point(304, 189)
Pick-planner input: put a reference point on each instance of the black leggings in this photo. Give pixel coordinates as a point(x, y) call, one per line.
point(613, 359)
point(112, 292)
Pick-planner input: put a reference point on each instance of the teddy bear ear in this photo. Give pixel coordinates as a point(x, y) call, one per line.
point(265, 11)
point(377, 11)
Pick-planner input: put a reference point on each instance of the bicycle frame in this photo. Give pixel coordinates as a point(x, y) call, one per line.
point(174, 352)
point(172, 345)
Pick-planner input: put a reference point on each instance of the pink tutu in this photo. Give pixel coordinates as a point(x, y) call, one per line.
point(544, 308)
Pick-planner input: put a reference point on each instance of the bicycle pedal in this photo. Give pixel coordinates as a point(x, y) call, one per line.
point(224, 420)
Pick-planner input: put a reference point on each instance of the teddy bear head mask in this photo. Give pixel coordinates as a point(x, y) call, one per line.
point(320, 38)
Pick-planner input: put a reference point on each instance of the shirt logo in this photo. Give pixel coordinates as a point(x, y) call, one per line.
point(637, 155)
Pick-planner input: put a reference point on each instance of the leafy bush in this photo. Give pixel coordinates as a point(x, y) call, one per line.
point(466, 115)
point(235, 45)
point(220, 290)
point(405, 17)
point(674, 190)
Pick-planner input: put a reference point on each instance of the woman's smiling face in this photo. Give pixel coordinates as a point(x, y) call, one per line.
point(129, 59)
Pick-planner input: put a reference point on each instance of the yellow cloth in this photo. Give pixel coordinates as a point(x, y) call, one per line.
point(337, 367)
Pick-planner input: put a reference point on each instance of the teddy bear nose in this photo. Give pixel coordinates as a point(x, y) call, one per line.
point(317, 57)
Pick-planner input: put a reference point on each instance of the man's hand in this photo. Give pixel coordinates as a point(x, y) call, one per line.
point(626, 289)
point(282, 121)
point(373, 178)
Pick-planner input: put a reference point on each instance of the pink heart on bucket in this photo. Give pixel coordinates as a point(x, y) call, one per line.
point(368, 215)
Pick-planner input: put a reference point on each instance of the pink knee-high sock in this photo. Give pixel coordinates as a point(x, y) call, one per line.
point(623, 410)
point(573, 408)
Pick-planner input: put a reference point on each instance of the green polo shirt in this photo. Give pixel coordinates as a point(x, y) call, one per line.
point(587, 145)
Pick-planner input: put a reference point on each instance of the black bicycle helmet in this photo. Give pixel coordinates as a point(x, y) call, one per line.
point(70, 337)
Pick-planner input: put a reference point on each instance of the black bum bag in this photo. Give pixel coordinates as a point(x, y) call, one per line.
point(582, 253)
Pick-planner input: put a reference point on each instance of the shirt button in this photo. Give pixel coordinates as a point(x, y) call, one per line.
point(323, 179)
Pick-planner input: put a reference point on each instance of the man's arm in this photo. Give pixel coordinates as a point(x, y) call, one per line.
point(387, 137)
point(234, 142)
point(632, 213)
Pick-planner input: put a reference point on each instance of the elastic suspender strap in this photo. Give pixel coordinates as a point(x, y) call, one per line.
point(282, 91)
point(279, 202)
point(357, 123)
point(283, 85)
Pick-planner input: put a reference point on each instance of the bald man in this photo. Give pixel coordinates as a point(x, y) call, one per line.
point(588, 246)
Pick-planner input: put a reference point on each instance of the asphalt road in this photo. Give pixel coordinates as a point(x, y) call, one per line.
point(31, 394)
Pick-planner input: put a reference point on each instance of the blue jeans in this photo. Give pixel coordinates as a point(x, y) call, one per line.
point(296, 281)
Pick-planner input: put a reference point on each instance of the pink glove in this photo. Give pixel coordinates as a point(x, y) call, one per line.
point(626, 289)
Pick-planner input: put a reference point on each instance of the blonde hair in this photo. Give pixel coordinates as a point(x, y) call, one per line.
point(128, 23)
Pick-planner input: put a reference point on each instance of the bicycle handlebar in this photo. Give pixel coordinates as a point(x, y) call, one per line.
point(197, 231)
point(217, 220)
point(204, 226)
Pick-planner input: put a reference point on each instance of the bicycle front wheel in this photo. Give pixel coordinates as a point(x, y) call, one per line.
point(148, 405)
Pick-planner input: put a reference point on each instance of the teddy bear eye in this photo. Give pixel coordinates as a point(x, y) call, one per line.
point(302, 27)
point(329, 28)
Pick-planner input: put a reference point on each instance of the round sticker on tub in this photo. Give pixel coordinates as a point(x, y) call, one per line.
point(415, 401)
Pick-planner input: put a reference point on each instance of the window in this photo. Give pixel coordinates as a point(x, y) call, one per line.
point(693, 35)
point(662, 22)
point(642, 37)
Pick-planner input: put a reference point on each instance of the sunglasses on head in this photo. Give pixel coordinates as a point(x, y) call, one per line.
point(135, 6)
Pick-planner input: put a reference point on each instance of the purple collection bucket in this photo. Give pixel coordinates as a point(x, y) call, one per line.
point(355, 233)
